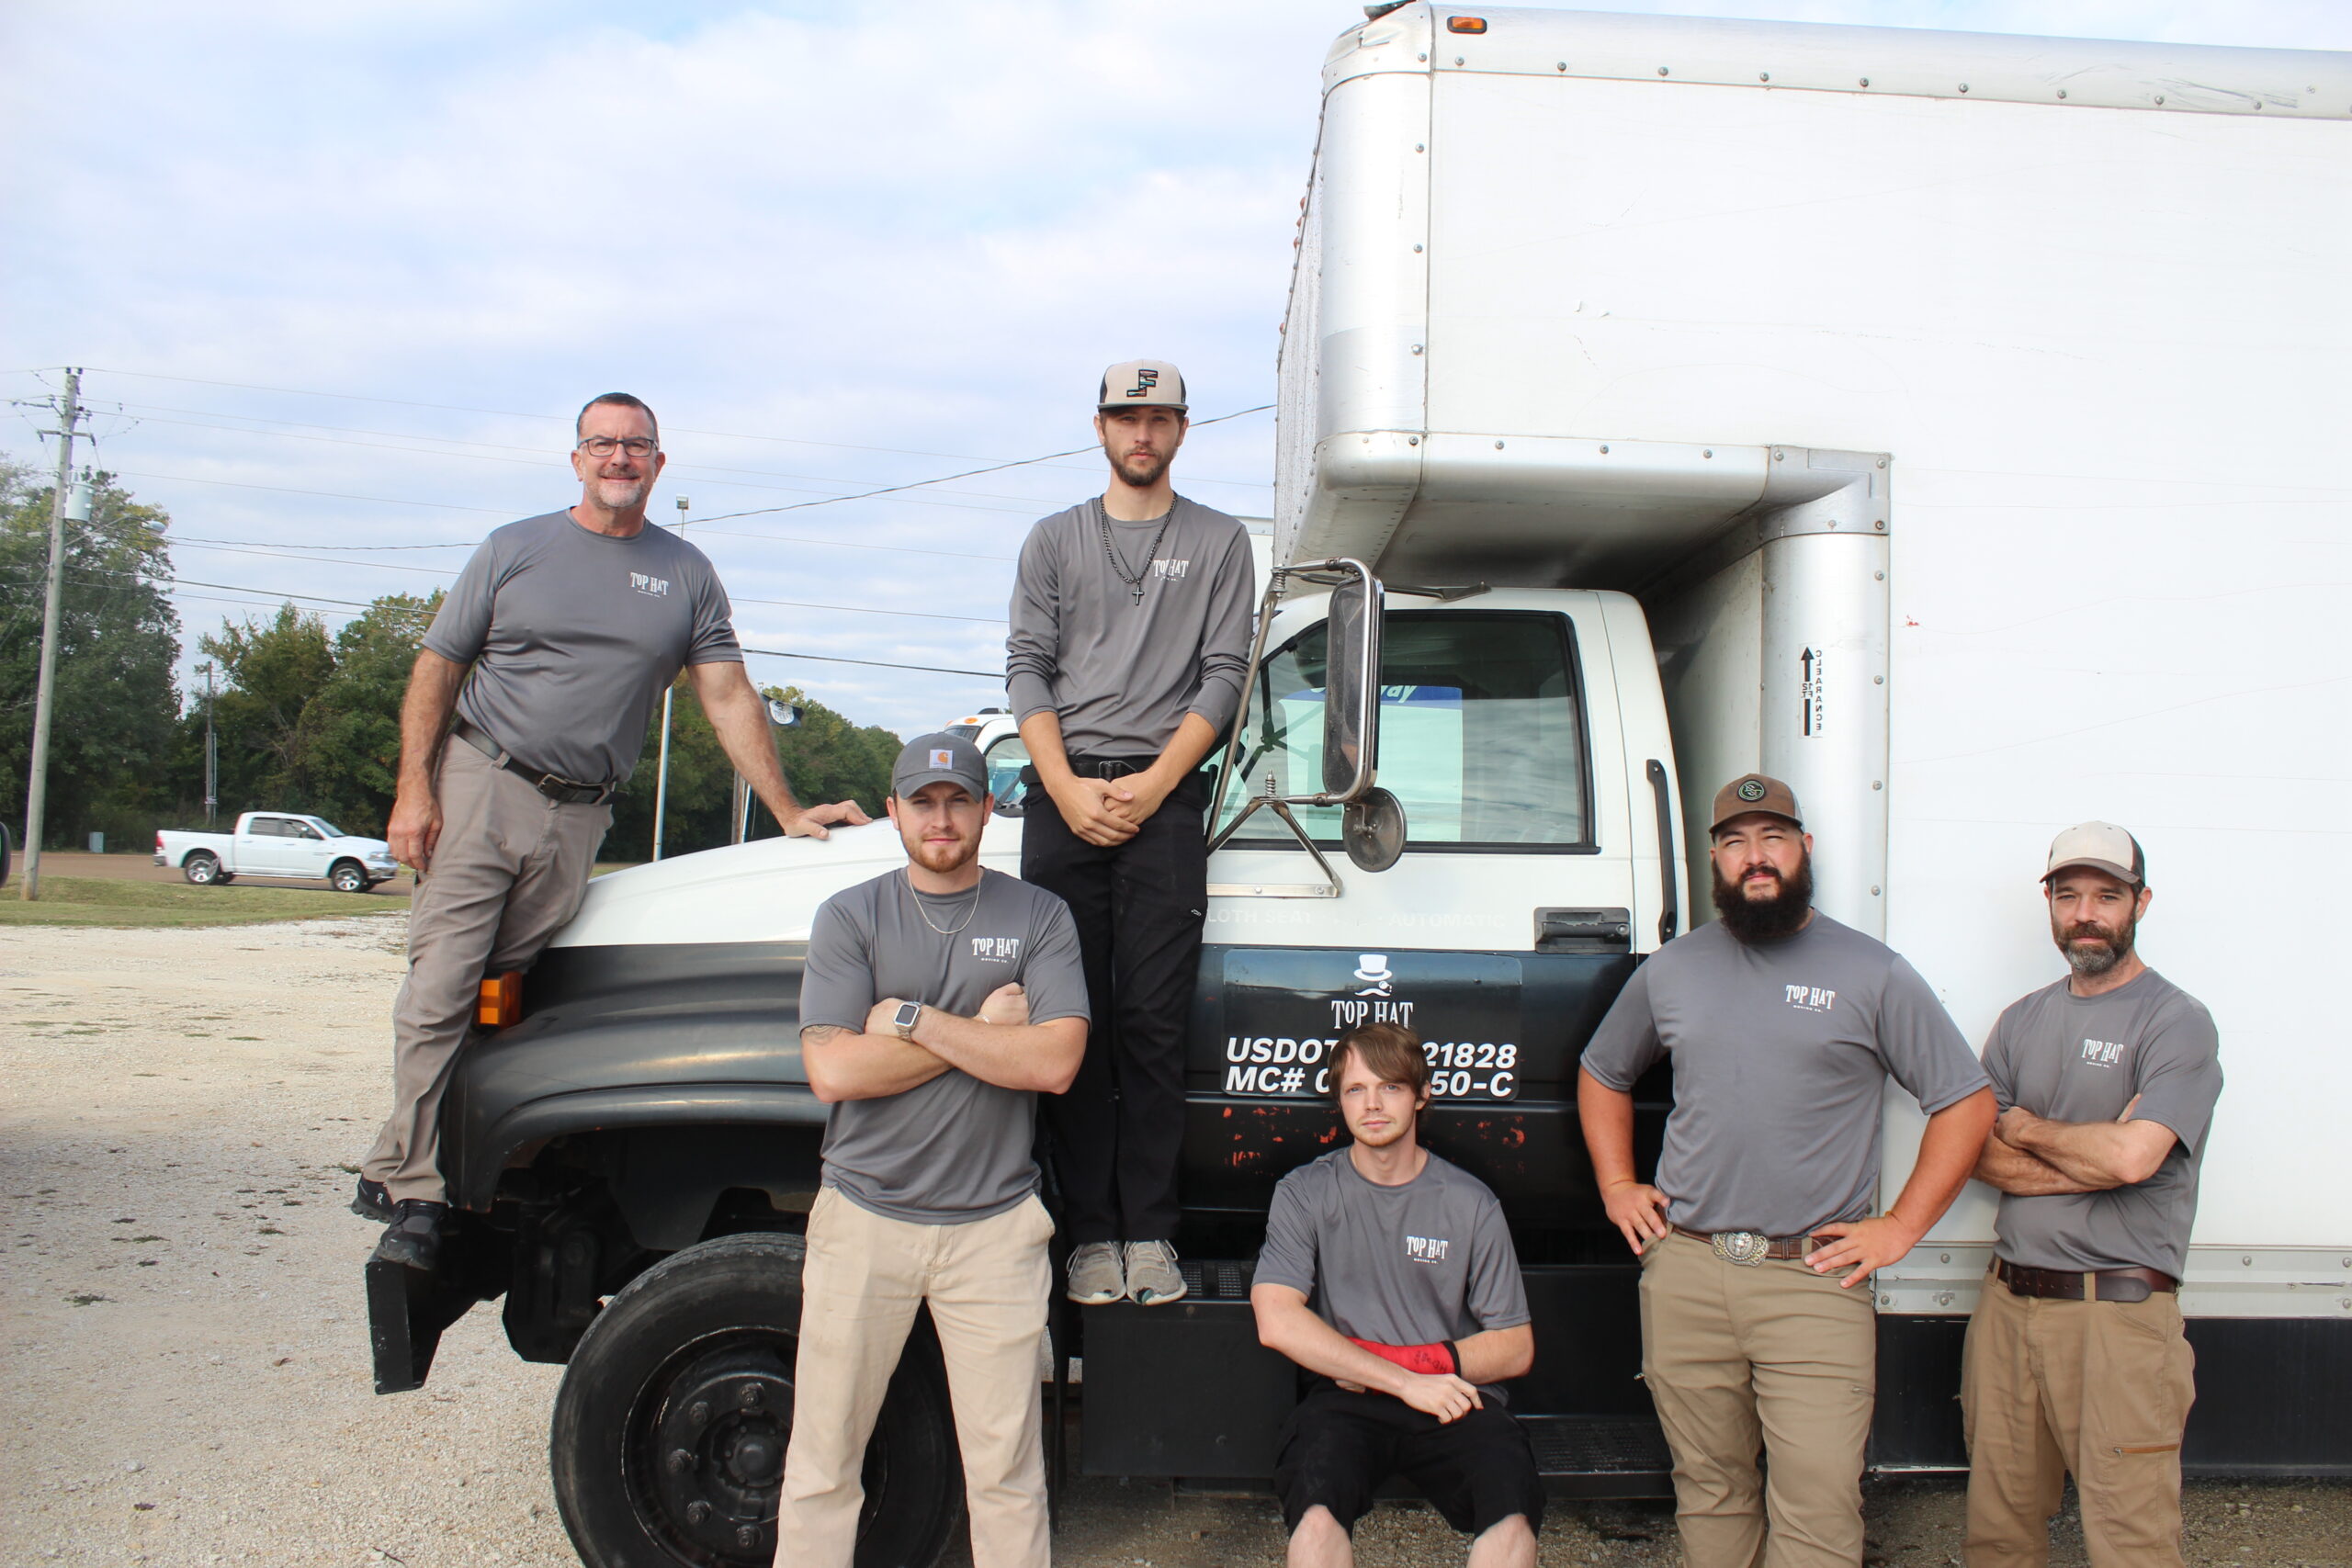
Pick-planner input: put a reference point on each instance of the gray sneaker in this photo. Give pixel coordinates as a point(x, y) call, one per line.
point(1095, 1277)
point(1152, 1277)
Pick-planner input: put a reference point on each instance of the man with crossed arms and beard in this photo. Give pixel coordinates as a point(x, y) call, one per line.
point(938, 1001)
point(1390, 1273)
point(2075, 1359)
point(1783, 1026)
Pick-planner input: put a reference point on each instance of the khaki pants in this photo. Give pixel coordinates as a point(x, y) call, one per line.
point(510, 869)
point(987, 1284)
point(2099, 1388)
point(1769, 1356)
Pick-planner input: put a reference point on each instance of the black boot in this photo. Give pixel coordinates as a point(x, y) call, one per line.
point(413, 1238)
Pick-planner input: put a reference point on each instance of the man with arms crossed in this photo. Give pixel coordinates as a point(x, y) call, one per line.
point(2075, 1361)
point(938, 1002)
point(1783, 1026)
point(550, 650)
point(1391, 1273)
point(1130, 637)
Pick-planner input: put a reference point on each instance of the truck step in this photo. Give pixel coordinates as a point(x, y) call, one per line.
point(1602, 1456)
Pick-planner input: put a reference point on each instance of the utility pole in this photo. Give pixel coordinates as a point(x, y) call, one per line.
point(661, 779)
point(37, 776)
point(211, 753)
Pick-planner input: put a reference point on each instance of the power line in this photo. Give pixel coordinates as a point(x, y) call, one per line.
point(876, 663)
point(559, 419)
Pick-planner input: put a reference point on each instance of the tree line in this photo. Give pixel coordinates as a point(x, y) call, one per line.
point(305, 720)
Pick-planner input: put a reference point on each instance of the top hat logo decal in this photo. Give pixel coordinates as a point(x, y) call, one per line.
point(1373, 969)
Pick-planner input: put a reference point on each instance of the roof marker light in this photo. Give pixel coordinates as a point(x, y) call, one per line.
point(1465, 24)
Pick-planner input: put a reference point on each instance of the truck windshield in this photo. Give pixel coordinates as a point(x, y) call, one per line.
point(1481, 731)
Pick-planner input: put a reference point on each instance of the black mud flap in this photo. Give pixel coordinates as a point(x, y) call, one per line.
point(407, 1308)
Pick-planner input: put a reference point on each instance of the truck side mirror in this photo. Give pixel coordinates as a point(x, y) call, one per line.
point(1351, 689)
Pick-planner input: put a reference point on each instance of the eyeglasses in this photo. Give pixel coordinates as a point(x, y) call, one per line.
point(604, 445)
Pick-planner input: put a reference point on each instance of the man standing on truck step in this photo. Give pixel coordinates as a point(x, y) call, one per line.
point(1758, 1328)
point(939, 1000)
point(1130, 636)
point(1389, 1274)
point(2075, 1361)
point(550, 650)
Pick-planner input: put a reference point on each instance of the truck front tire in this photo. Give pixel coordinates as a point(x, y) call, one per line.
point(348, 876)
point(671, 1426)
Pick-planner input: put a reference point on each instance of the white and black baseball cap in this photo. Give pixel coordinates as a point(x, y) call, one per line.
point(2101, 846)
point(930, 759)
point(1143, 384)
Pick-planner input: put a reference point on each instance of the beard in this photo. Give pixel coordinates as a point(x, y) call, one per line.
point(1753, 920)
point(1137, 473)
point(2104, 952)
point(941, 859)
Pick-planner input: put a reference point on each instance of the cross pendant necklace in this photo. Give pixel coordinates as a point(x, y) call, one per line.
point(1135, 580)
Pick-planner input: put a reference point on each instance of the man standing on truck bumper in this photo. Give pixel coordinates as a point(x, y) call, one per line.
point(1130, 635)
point(1783, 1026)
point(1389, 1273)
point(2075, 1361)
point(939, 1000)
point(550, 650)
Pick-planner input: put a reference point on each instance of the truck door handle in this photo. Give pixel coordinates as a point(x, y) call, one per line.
point(1670, 912)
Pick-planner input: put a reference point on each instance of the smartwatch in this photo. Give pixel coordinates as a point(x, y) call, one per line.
point(903, 1020)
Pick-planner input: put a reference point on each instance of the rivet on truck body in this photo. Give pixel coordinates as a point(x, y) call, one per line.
point(1763, 75)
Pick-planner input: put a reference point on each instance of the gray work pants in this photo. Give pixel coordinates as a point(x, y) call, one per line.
point(510, 869)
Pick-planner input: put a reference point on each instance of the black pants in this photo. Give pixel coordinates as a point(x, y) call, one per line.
point(1116, 1135)
point(1338, 1448)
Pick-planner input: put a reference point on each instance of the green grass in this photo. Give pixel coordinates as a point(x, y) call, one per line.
point(92, 901)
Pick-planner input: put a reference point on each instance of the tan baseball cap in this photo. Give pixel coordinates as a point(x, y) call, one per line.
point(1143, 384)
point(1755, 792)
point(2102, 846)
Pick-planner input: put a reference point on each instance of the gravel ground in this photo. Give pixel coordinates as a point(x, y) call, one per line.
point(184, 1374)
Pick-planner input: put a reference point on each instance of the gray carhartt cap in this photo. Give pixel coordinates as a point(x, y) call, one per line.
point(1143, 384)
point(929, 759)
point(2102, 846)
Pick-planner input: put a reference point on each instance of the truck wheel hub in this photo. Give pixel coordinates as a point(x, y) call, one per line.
point(717, 1447)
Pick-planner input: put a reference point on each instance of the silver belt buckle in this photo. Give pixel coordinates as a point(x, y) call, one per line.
point(1745, 1248)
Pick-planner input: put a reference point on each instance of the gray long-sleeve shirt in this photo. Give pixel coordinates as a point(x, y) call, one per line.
point(1123, 673)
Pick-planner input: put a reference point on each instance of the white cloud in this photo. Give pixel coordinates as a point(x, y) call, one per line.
point(924, 227)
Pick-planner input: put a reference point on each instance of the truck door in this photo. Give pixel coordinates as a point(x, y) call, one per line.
point(1501, 935)
point(262, 845)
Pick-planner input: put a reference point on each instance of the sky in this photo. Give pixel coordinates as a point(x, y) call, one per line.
point(340, 276)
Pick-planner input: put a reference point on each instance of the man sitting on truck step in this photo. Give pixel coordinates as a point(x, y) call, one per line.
point(938, 1001)
point(2075, 1361)
point(1758, 1327)
point(1389, 1274)
point(1130, 635)
point(550, 651)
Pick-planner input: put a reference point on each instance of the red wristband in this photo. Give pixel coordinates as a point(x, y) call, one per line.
point(1427, 1359)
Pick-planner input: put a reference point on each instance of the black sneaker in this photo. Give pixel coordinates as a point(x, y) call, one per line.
point(413, 1238)
point(374, 1204)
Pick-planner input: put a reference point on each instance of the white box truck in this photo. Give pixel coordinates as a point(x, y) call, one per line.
point(1951, 426)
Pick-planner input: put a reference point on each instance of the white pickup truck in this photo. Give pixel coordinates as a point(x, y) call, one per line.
point(279, 844)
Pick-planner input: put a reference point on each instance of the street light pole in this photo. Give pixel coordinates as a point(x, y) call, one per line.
point(211, 753)
point(69, 409)
point(661, 779)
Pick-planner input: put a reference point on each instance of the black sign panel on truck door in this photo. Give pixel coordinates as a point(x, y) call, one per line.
point(1285, 1007)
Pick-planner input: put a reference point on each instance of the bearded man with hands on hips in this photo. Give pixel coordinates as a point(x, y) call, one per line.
point(1758, 1328)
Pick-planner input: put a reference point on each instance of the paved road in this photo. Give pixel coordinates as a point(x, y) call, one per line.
point(184, 1371)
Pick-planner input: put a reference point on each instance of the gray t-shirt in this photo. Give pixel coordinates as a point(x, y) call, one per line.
point(2076, 1058)
point(573, 636)
point(1123, 673)
point(1408, 1265)
point(1781, 1056)
point(956, 1148)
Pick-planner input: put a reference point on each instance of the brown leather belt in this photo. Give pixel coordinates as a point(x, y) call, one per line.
point(1742, 1246)
point(2094, 1284)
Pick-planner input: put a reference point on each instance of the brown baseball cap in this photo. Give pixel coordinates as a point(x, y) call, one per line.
point(1143, 384)
point(2101, 846)
point(1755, 792)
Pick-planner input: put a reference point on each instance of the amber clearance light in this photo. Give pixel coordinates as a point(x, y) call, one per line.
point(502, 1000)
point(1465, 24)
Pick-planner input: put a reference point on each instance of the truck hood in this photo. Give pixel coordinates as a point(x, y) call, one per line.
point(767, 890)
